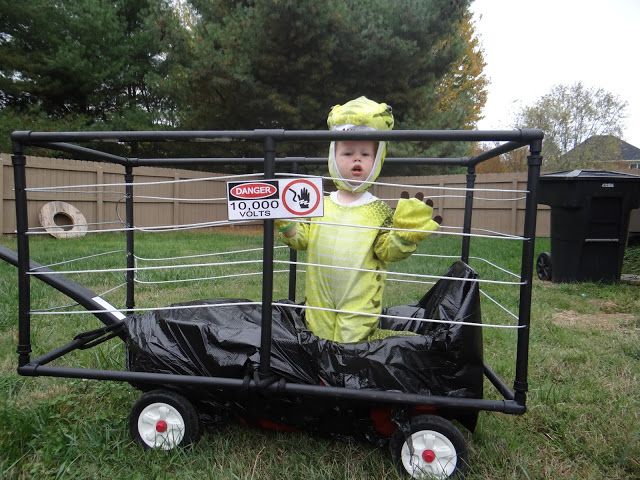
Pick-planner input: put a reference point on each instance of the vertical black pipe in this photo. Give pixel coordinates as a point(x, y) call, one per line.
point(468, 211)
point(534, 161)
point(293, 257)
point(267, 266)
point(22, 225)
point(128, 178)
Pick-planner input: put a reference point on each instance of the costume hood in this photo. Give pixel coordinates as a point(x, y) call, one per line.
point(359, 114)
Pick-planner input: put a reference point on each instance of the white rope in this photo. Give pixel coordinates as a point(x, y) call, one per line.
point(92, 192)
point(154, 282)
point(139, 184)
point(135, 269)
point(475, 258)
point(491, 231)
point(397, 317)
point(148, 309)
point(77, 259)
point(504, 236)
point(38, 229)
point(277, 304)
point(182, 200)
point(481, 291)
point(410, 281)
point(190, 226)
point(160, 259)
point(416, 275)
point(513, 274)
point(514, 199)
point(287, 262)
point(498, 304)
point(394, 229)
point(76, 303)
point(164, 228)
point(432, 187)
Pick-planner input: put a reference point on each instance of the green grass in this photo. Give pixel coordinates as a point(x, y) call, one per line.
point(632, 260)
point(583, 405)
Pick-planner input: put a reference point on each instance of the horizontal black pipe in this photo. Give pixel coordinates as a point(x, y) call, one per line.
point(494, 152)
point(498, 382)
point(87, 153)
point(520, 135)
point(147, 162)
point(505, 406)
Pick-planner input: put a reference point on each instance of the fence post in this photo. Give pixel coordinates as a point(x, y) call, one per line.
point(514, 209)
point(100, 197)
point(176, 195)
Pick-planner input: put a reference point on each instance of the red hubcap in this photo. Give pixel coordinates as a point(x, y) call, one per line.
point(161, 427)
point(428, 456)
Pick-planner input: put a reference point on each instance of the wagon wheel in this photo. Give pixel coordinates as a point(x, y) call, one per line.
point(433, 448)
point(165, 420)
point(543, 266)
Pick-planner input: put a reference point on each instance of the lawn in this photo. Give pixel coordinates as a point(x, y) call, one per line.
point(583, 404)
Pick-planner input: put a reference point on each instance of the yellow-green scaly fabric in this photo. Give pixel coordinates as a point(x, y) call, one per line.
point(346, 248)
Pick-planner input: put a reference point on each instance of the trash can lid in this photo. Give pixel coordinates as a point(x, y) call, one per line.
point(591, 174)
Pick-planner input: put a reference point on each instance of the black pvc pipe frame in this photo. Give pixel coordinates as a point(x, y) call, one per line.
point(514, 401)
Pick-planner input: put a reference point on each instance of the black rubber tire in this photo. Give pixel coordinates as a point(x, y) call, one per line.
point(443, 427)
point(185, 408)
point(543, 266)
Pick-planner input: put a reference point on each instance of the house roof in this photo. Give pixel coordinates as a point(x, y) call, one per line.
point(629, 152)
point(603, 148)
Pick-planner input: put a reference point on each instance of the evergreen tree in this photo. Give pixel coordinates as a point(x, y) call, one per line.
point(82, 57)
point(222, 64)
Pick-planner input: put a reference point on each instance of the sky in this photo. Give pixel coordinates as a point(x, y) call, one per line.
point(531, 45)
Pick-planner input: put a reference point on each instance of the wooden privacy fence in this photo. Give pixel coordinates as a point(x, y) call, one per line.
point(190, 201)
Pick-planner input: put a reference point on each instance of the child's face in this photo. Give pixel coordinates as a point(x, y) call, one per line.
point(355, 158)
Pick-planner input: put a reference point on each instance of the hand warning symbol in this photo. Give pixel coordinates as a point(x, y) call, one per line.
point(301, 198)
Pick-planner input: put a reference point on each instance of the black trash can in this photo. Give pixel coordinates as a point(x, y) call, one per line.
point(589, 224)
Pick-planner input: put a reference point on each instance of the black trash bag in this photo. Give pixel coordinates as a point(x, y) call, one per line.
point(443, 359)
point(215, 342)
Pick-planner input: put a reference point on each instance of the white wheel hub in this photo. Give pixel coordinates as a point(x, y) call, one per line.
point(433, 454)
point(160, 425)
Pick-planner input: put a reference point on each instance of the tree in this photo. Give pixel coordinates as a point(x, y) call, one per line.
point(82, 57)
point(462, 91)
point(87, 64)
point(569, 115)
point(284, 63)
point(459, 99)
point(228, 64)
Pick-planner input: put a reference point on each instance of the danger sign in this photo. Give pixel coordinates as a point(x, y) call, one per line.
point(271, 199)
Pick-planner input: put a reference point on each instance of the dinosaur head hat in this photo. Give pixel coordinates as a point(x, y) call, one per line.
point(359, 114)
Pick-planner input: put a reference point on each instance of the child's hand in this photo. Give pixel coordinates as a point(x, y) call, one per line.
point(412, 213)
point(286, 227)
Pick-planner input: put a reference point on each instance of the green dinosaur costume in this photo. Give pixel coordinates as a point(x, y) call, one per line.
point(337, 285)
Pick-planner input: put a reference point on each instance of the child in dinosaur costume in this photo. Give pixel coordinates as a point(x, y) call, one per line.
point(346, 251)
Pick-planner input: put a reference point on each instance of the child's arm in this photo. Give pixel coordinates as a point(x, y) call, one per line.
point(296, 235)
point(410, 214)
